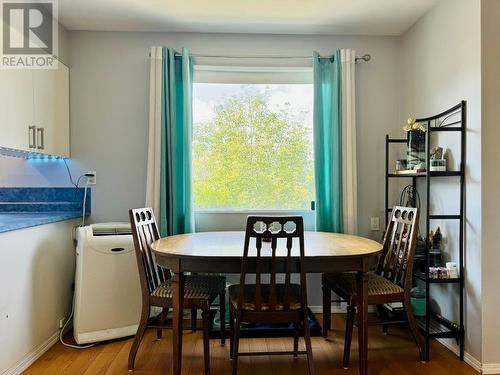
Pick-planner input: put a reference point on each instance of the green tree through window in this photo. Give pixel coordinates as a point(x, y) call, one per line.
point(252, 156)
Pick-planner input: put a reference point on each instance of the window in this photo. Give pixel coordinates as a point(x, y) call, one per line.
point(252, 146)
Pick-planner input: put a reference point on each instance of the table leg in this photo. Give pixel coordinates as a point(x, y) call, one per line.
point(177, 309)
point(362, 292)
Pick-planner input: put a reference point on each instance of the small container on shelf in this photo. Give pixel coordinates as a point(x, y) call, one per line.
point(401, 164)
point(438, 165)
point(433, 273)
point(443, 273)
point(452, 270)
point(439, 273)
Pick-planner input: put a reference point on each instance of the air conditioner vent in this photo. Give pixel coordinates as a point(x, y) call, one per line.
point(111, 229)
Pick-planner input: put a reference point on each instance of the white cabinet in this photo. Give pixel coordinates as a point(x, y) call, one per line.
point(36, 274)
point(34, 110)
point(16, 109)
point(51, 110)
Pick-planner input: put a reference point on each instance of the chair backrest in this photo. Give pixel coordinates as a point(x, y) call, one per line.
point(276, 232)
point(400, 241)
point(145, 232)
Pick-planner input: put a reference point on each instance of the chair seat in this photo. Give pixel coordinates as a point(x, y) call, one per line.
point(344, 283)
point(249, 295)
point(196, 287)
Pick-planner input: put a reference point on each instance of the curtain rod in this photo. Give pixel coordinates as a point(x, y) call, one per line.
point(366, 57)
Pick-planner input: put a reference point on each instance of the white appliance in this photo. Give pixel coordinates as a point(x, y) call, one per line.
point(108, 300)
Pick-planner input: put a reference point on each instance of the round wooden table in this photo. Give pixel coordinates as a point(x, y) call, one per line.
point(221, 252)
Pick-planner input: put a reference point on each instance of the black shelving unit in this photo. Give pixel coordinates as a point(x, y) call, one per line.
point(452, 120)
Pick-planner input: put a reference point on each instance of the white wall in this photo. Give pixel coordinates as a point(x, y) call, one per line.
point(441, 65)
point(36, 274)
point(109, 106)
point(490, 156)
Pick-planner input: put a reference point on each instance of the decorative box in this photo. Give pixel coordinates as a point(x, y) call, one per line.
point(438, 165)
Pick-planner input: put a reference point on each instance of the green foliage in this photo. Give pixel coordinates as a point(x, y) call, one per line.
point(249, 157)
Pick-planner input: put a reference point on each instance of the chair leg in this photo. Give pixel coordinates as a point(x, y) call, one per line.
point(327, 310)
point(382, 315)
point(206, 340)
point(307, 339)
point(236, 344)
point(419, 339)
point(231, 332)
point(385, 329)
point(296, 333)
point(138, 337)
point(222, 313)
point(349, 324)
point(194, 313)
point(163, 318)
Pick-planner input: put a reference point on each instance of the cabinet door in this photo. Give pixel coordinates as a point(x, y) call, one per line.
point(51, 88)
point(16, 109)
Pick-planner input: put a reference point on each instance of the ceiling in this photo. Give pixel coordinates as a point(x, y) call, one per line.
point(343, 17)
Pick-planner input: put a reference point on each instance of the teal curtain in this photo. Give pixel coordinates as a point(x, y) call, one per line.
point(328, 142)
point(176, 205)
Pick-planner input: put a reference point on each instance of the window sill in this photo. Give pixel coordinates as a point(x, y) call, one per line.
point(227, 219)
point(255, 211)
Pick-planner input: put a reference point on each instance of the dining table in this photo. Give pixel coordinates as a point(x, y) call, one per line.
point(222, 252)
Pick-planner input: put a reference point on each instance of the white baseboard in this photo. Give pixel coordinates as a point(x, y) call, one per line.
point(468, 358)
point(31, 357)
point(491, 368)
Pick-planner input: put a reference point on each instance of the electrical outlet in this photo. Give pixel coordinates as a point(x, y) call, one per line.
point(92, 180)
point(61, 322)
point(374, 223)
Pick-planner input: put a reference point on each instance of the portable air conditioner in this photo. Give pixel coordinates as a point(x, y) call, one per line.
point(108, 300)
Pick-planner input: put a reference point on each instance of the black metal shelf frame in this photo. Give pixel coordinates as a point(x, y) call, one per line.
point(438, 328)
point(422, 276)
point(424, 174)
point(433, 325)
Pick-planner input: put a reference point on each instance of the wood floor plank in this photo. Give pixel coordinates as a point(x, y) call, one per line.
point(105, 358)
point(392, 354)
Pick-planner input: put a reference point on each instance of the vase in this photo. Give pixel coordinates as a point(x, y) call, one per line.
point(416, 149)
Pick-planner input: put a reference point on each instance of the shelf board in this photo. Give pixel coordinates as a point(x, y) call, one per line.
point(446, 173)
point(421, 276)
point(406, 175)
point(437, 217)
point(446, 129)
point(445, 217)
point(397, 140)
point(436, 328)
point(423, 174)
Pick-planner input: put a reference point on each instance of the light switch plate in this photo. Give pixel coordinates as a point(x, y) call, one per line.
point(374, 223)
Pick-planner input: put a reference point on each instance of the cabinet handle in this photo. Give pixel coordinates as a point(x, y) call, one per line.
point(32, 136)
point(41, 143)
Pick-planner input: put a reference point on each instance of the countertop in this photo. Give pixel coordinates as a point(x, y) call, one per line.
point(17, 220)
point(28, 207)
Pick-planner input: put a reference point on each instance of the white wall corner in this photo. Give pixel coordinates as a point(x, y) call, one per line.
point(468, 358)
point(31, 357)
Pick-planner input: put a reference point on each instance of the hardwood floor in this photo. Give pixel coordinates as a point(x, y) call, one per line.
point(395, 354)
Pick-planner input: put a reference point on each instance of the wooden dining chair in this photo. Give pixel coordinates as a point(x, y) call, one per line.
point(200, 291)
point(391, 282)
point(271, 239)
